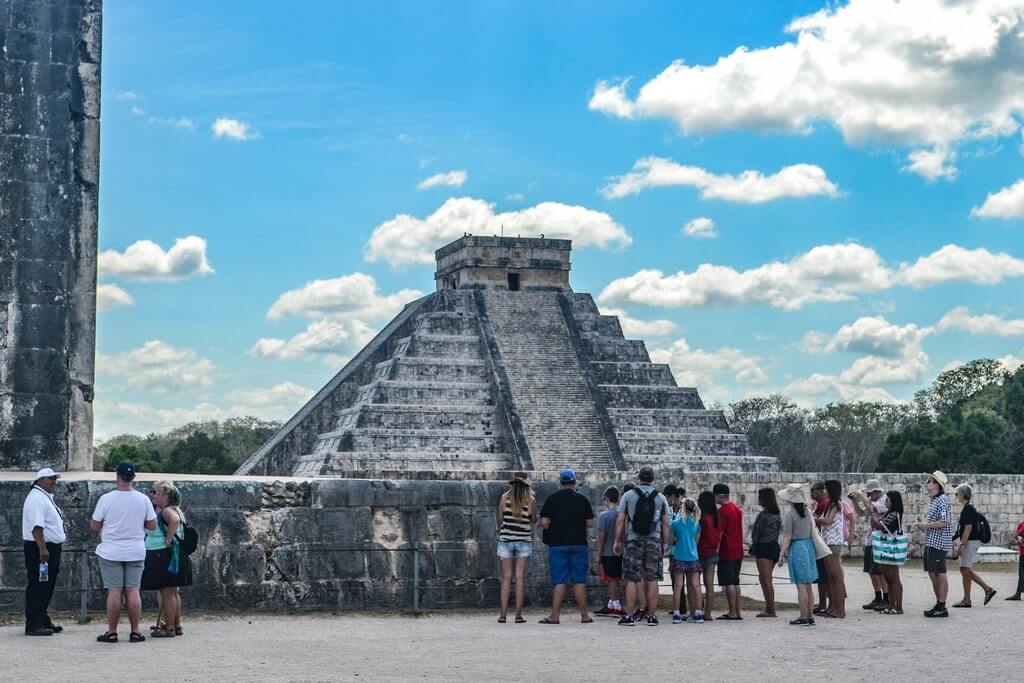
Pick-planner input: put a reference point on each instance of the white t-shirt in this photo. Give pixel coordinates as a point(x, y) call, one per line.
point(123, 536)
point(41, 510)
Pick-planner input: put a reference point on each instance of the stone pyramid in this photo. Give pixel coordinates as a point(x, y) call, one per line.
point(502, 368)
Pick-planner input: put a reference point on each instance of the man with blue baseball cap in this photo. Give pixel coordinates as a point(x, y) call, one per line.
point(565, 517)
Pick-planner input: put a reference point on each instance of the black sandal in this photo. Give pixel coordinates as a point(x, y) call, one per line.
point(136, 637)
point(107, 638)
point(178, 631)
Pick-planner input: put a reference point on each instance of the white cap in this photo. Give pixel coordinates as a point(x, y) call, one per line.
point(46, 472)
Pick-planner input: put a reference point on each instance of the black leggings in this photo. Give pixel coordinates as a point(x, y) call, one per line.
point(1020, 576)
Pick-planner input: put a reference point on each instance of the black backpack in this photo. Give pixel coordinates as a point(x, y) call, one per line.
point(984, 530)
point(644, 513)
point(190, 541)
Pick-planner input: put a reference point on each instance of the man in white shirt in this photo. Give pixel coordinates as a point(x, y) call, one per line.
point(123, 516)
point(42, 530)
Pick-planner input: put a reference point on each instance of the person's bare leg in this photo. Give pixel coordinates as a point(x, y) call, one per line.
point(630, 597)
point(693, 594)
point(614, 594)
point(677, 590)
point(113, 609)
point(506, 586)
point(940, 585)
point(805, 598)
point(579, 590)
point(134, 601)
point(520, 586)
point(836, 587)
point(177, 609)
point(980, 581)
point(732, 597)
point(965, 579)
point(764, 576)
point(652, 597)
point(709, 586)
point(557, 598)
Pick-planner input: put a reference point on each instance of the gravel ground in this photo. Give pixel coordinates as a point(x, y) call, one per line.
point(984, 641)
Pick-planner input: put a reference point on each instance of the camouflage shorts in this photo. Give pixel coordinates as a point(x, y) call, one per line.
point(642, 560)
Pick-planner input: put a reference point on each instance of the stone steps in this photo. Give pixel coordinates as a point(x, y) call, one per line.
point(447, 323)
point(430, 345)
point(382, 440)
point(621, 372)
point(654, 420)
point(612, 350)
point(646, 396)
point(412, 416)
point(591, 325)
point(696, 462)
point(339, 464)
point(666, 443)
point(428, 393)
point(432, 369)
point(555, 407)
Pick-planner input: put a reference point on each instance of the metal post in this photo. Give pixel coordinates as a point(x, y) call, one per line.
point(416, 578)
point(83, 569)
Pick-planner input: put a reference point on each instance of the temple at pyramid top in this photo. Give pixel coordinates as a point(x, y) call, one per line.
point(510, 263)
point(502, 368)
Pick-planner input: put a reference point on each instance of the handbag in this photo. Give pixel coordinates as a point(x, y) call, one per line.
point(821, 549)
point(888, 547)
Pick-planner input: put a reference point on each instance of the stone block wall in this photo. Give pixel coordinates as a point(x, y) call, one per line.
point(348, 543)
point(49, 172)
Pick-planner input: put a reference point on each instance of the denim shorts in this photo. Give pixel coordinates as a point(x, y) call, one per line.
point(568, 564)
point(509, 550)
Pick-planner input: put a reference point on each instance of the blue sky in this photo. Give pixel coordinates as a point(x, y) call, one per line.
point(853, 175)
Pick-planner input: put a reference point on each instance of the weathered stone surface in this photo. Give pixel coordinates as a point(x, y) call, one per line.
point(353, 544)
point(49, 169)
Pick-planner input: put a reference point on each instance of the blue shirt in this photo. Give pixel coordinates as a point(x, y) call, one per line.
point(685, 529)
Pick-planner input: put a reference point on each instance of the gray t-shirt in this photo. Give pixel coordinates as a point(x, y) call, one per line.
point(628, 503)
point(795, 526)
point(606, 523)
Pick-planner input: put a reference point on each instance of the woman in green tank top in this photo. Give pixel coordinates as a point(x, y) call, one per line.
point(164, 570)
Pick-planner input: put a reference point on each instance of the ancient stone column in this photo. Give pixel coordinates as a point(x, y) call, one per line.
point(49, 173)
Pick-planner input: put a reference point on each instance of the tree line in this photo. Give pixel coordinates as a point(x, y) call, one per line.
point(970, 420)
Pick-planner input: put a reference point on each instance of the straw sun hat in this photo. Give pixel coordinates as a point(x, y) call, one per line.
point(794, 493)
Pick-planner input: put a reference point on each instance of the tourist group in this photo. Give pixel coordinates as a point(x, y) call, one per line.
point(145, 544)
point(703, 540)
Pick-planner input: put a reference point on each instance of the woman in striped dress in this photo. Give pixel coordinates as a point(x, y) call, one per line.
point(517, 513)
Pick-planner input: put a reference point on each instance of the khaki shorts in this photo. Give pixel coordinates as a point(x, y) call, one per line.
point(968, 552)
point(121, 574)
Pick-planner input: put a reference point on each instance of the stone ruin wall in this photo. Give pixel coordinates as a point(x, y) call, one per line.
point(340, 544)
point(49, 173)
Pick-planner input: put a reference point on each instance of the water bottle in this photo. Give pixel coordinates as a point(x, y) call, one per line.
point(44, 572)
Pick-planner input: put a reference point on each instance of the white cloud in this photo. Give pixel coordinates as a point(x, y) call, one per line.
point(127, 417)
point(275, 403)
point(636, 328)
point(876, 336)
point(910, 73)
point(349, 296)
point(145, 260)
point(701, 368)
point(233, 129)
point(932, 164)
point(1006, 203)
point(174, 122)
point(406, 239)
point(1011, 362)
point(158, 367)
point(127, 96)
point(701, 228)
point(109, 297)
point(611, 99)
point(515, 197)
point(953, 263)
point(960, 318)
point(820, 385)
point(826, 273)
point(749, 187)
point(334, 340)
point(870, 370)
point(449, 179)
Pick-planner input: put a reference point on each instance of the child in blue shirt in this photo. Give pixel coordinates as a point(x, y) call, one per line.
point(685, 565)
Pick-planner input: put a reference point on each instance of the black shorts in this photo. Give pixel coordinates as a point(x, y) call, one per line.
point(766, 551)
point(612, 566)
point(934, 560)
point(729, 572)
point(822, 573)
point(870, 566)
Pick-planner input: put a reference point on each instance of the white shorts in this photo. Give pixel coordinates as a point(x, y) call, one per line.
point(968, 551)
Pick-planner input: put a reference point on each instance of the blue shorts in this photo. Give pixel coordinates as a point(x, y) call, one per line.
point(567, 564)
point(508, 550)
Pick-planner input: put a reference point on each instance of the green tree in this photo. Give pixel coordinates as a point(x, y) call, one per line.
point(200, 454)
point(855, 433)
point(144, 459)
point(952, 387)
